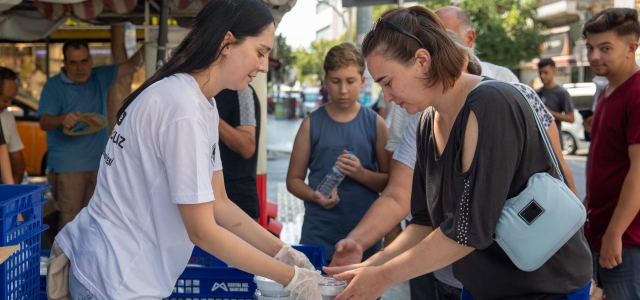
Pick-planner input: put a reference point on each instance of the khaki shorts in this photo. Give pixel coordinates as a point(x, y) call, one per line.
point(71, 192)
point(58, 274)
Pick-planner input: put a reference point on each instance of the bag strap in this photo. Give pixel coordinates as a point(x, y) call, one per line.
point(545, 138)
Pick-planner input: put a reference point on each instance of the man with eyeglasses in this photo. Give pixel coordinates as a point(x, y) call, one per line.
point(79, 88)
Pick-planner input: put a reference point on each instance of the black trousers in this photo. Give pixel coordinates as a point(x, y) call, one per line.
point(423, 287)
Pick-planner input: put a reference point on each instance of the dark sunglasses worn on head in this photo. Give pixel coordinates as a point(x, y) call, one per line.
point(396, 28)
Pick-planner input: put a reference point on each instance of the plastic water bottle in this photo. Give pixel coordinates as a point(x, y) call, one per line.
point(331, 181)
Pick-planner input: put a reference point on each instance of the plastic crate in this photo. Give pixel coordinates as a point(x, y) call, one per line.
point(21, 224)
point(214, 279)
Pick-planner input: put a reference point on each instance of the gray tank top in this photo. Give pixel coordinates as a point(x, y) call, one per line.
point(328, 139)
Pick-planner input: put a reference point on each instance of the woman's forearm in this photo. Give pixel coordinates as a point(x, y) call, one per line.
point(228, 215)
point(204, 232)
point(410, 237)
point(414, 262)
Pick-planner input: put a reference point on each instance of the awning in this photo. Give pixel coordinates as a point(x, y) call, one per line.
point(24, 23)
point(85, 10)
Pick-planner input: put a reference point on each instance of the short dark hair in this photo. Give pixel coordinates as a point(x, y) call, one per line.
point(546, 62)
point(623, 21)
point(447, 59)
point(6, 73)
point(75, 44)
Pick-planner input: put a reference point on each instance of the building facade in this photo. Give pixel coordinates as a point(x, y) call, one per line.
point(565, 19)
point(332, 20)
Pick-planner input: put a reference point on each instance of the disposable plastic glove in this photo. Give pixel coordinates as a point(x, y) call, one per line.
point(304, 284)
point(293, 257)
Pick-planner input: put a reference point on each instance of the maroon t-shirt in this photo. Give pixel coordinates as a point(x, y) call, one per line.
point(615, 126)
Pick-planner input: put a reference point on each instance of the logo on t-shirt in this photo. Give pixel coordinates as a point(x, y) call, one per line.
point(213, 154)
point(124, 115)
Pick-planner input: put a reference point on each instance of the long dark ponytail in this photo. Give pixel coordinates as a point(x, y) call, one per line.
point(201, 47)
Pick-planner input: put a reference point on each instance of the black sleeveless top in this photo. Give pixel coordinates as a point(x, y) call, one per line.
point(466, 205)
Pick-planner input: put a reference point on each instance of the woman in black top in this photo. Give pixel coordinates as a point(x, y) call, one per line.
point(476, 149)
point(5, 165)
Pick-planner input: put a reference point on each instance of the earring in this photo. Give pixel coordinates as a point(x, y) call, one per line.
point(425, 71)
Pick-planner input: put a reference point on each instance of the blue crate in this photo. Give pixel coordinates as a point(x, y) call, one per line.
point(313, 252)
point(21, 224)
point(215, 280)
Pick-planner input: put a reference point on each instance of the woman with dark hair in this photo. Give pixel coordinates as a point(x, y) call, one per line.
point(161, 172)
point(477, 146)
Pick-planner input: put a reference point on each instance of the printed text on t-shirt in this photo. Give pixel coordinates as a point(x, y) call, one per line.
point(117, 139)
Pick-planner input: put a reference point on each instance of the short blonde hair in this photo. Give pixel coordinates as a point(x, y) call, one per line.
point(344, 55)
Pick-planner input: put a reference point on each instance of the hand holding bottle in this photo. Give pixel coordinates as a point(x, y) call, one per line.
point(349, 165)
point(327, 203)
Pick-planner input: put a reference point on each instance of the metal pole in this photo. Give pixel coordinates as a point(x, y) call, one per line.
point(162, 34)
point(47, 56)
point(364, 21)
point(146, 21)
point(363, 24)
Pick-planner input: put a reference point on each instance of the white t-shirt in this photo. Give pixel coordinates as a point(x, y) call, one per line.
point(398, 118)
point(14, 143)
point(406, 150)
point(130, 242)
point(498, 72)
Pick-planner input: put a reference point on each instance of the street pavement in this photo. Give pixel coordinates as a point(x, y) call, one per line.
point(280, 136)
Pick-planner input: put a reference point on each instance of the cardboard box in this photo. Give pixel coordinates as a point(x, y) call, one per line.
point(5, 252)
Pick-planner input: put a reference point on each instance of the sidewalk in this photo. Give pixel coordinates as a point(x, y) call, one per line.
point(281, 134)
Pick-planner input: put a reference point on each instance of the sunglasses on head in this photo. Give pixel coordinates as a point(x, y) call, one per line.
point(396, 28)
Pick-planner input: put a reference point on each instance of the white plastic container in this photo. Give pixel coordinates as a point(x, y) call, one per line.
point(332, 289)
point(268, 287)
point(258, 296)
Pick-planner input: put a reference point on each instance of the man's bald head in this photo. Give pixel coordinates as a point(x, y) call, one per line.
point(458, 20)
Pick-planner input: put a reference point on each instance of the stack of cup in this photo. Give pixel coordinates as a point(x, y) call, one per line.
point(271, 290)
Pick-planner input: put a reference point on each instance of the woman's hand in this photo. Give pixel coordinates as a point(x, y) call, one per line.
point(341, 269)
point(350, 165)
point(324, 202)
point(293, 257)
point(304, 285)
point(364, 283)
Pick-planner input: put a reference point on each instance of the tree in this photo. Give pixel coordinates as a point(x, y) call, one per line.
point(286, 55)
point(309, 62)
point(506, 32)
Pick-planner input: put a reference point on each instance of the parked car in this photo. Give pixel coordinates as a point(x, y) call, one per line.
point(573, 138)
point(25, 109)
point(310, 98)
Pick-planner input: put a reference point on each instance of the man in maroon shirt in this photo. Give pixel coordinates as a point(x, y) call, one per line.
point(613, 171)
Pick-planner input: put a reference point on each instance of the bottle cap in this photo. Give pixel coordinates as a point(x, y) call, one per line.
point(351, 153)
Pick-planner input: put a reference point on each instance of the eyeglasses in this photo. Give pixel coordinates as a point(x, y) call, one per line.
point(396, 28)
